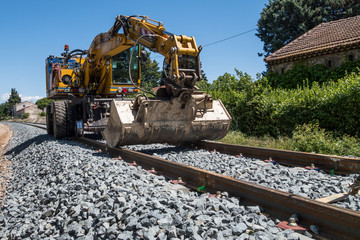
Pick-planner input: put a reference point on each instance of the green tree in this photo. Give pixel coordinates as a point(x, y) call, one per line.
point(7, 107)
point(2, 111)
point(203, 74)
point(150, 74)
point(282, 21)
point(42, 103)
point(14, 98)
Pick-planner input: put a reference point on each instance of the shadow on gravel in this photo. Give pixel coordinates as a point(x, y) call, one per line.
point(93, 136)
point(37, 140)
point(165, 150)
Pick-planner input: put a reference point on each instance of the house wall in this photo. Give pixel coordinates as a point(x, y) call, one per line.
point(33, 110)
point(22, 105)
point(329, 60)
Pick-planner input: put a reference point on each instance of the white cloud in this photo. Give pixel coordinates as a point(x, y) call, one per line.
point(29, 98)
point(5, 97)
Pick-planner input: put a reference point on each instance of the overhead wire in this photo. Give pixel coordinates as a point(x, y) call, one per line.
point(131, 55)
point(225, 39)
point(222, 40)
point(209, 44)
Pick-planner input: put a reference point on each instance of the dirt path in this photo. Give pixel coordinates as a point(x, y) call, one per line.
point(5, 172)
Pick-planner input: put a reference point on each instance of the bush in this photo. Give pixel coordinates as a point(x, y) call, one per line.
point(258, 109)
point(42, 103)
point(25, 115)
point(311, 138)
point(42, 114)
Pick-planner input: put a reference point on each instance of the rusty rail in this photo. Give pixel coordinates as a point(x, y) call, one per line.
point(334, 222)
point(342, 165)
point(37, 125)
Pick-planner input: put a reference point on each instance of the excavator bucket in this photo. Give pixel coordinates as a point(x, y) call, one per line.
point(144, 121)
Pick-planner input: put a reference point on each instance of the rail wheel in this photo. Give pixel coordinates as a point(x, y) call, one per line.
point(49, 121)
point(59, 119)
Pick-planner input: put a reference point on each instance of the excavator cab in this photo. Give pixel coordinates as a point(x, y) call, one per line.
point(120, 67)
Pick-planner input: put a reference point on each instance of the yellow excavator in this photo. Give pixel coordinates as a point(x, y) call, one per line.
point(92, 89)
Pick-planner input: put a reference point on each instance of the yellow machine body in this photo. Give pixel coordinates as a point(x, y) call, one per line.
point(93, 88)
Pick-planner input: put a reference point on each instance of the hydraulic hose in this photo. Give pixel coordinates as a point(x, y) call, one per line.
point(131, 54)
point(70, 54)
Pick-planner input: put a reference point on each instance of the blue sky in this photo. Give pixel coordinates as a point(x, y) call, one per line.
point(33, 30)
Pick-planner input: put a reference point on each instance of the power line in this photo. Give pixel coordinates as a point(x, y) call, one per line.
point(219, 41)
point(229, 37)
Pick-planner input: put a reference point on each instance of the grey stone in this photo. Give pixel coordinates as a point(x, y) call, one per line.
point(75, 229)
point(196, 237)
point(262, 236)
point(253, 209)
point(150, 234)
point(166, 221)
point(132, 223)
point(239, 228)
point(47, 213)
point(108, 199)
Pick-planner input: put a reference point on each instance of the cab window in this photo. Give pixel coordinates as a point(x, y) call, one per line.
point(120, 67)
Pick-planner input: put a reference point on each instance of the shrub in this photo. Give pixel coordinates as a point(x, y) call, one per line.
point(258, 109)
point(42, 114)
point(43, 102)
point(25, 115)
point(311, 138)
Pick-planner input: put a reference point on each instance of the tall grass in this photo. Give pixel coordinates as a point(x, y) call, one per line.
point(306, 138)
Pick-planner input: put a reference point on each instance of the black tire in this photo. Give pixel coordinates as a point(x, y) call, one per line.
point(71, 113)
point(49, 121)
point(59, 119)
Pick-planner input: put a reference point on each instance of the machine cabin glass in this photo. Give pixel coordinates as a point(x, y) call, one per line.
point(187, 63)
point(120, 67)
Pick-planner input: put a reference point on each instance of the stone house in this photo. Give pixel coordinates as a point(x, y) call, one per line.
point(27, 107)
point(20, 106)
point(331, 44)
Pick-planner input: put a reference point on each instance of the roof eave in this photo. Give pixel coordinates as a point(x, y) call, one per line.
point(313, 53)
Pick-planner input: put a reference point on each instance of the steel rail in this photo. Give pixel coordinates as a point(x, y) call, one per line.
point(334, 222)
point(37, 125)
point(340, 165)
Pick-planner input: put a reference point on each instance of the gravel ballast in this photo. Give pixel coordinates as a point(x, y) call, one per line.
point(300, 181)
point(64, 190)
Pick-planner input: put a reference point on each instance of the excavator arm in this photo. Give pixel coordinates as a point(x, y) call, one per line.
point(181, 54)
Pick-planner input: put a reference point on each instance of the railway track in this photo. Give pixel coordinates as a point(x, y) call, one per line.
point(335, 164)
point(329, 163)
point(333, 222)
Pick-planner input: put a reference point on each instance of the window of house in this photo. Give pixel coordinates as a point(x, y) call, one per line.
point(351, 57)
point(329, 63)
point(282, 70)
